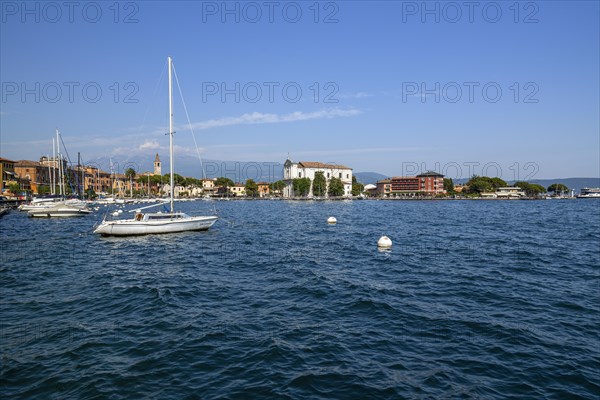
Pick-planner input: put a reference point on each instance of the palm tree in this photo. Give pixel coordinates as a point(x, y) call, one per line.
point(130, 173)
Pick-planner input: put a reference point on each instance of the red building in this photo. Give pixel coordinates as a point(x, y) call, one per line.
point(428, 183)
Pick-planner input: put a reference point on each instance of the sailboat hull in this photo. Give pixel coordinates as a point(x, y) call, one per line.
point(131, 227)
point(59, 212)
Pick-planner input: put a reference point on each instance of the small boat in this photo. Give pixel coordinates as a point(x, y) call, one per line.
point(3, 211)
point(156, 223)
point(59, 210)
point(589, 193)
point(43, 205)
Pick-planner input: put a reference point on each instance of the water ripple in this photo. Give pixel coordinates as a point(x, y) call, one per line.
point(475, 300)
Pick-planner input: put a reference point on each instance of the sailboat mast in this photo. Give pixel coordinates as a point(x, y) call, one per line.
point(49, 174)
point(60, 167)
point(53, 167)
point(172, 182)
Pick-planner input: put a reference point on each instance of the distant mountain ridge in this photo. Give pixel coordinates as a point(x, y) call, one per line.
point(369, 177)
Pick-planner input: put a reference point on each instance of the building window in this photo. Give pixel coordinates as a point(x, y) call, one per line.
point(328, 175)
point(347, 176)
point(340, 175)
point(299, 174)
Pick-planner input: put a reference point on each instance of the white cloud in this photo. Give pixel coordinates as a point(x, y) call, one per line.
point(358, 95)
point(149, 145)
point(265, 118)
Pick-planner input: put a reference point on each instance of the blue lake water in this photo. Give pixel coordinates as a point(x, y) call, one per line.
point(476, 299)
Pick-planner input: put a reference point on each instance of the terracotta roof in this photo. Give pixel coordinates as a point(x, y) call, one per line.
point(6, 159)
point(312, 164)
point(27, 163)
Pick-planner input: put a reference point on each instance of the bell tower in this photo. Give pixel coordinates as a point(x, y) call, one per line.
point(157, 165)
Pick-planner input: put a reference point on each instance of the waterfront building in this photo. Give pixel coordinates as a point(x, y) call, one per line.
point(178, 190)
point(307, 169)
point(509, 192)
point(370, 189)
point(238, 190)
point(458, 188)
point(99, 181)
point(54, 162)
point(7, 173)
point(384, 187)
point(429, 183)
point(264, 189)
point(208, 186)
point(36, 173)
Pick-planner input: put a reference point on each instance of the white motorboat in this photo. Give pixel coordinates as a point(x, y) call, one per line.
point(589, 193)
point(156, 223)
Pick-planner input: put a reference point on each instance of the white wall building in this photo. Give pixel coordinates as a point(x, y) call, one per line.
point(307, 169)
point(510, 192)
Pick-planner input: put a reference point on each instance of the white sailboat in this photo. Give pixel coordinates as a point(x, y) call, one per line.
point(56, 206)
point(154, 223)
point(59, 210)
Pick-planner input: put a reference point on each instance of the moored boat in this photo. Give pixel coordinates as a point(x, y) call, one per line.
point(589, 193)
point(156, 223)
point(59, 210)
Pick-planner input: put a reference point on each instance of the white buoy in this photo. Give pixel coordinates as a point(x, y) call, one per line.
point(331, 220)
point(115, 214)
point(384, 242)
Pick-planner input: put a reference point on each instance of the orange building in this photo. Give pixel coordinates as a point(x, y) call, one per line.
point(264, 189)
point(36, 173)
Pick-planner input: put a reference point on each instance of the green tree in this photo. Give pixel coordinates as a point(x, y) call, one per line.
point(449, 185)
point(224, 182)
point(277, 186)
point(192, 182)
point(558, 188)
point(531, 189)
point(178, 179)
point(14, 188)
point(497, 183)
point(130, 173)
point(319, 184)
point(336, 187)
point(479, 184)
point(301, 186)
point(357, 187)
point(251, 188)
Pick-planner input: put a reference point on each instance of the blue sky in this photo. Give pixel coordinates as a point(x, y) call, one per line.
point(369, 61)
